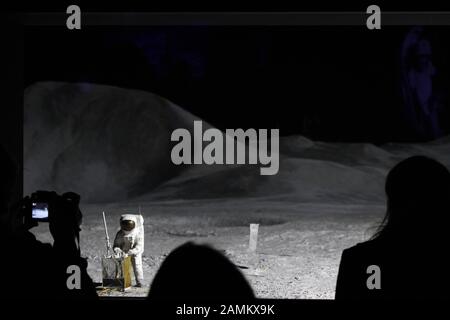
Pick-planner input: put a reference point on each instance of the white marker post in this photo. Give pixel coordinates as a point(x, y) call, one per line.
point(253, 241)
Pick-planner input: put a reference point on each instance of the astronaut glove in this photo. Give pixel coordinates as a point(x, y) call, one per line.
point(118, 253)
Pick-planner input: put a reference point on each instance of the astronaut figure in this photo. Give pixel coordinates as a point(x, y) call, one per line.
point(129, 240)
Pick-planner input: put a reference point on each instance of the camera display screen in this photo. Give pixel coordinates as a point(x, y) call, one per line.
point(39, 211)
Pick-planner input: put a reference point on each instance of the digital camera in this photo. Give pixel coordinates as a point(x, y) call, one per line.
point(46, 206)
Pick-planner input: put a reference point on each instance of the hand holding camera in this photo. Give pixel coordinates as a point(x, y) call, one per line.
point(61, 212)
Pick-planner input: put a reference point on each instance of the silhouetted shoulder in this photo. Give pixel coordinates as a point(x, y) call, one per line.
point(352, 276)
point(404, 272)
point(364, 250)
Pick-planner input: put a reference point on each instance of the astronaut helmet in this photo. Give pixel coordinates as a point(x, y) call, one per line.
point(128, 222)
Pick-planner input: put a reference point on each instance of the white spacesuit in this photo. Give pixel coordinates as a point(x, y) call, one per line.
point(129, 240)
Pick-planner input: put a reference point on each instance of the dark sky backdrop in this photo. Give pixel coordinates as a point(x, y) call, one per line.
point(328, 83)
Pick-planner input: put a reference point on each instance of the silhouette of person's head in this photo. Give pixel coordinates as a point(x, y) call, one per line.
point(418, 197)
point(199, 272)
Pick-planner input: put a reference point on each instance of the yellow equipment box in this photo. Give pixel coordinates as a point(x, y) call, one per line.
point(116, 272)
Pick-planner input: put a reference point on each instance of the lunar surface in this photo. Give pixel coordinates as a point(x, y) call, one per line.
point(112, 146)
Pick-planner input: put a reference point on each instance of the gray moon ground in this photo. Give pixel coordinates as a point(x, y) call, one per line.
point(299, 245)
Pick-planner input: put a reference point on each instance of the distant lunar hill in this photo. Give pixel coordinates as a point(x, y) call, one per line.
point(103, 142)
point(111, 144)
